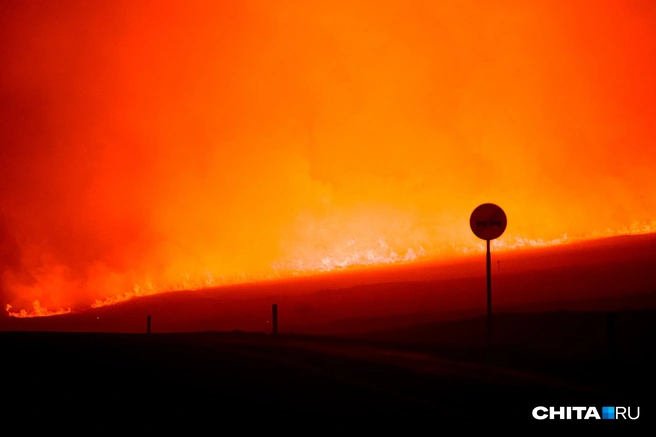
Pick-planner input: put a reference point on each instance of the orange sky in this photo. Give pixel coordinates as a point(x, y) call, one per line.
point(146, 140)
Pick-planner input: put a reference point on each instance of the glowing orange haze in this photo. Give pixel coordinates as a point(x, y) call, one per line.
point(186, 144)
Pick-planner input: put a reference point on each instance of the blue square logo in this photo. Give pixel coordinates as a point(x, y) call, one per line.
point(608, 412)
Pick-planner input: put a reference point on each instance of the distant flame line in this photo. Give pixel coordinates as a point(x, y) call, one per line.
point(365, 258)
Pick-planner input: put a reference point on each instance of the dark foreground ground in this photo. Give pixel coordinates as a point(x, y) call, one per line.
point(574, 326)
point(251, 377)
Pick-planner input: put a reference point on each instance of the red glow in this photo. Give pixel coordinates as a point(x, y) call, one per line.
point(152, 146)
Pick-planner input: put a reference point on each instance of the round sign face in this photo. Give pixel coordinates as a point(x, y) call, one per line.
point(488, 221)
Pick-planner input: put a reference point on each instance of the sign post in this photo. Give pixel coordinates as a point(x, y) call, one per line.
point(488, 222)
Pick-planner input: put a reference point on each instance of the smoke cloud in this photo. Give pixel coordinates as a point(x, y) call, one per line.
point(157, 142)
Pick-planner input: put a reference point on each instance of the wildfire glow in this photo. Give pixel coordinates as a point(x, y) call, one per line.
point(382, 256)
point(38, 311)
point(158, 146)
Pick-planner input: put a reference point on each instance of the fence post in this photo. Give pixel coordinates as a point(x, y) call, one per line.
point(274, 310)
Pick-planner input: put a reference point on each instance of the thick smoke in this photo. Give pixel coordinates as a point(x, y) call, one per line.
point(143, 141)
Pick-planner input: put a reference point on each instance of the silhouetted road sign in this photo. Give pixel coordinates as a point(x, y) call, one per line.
point(488, 221)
